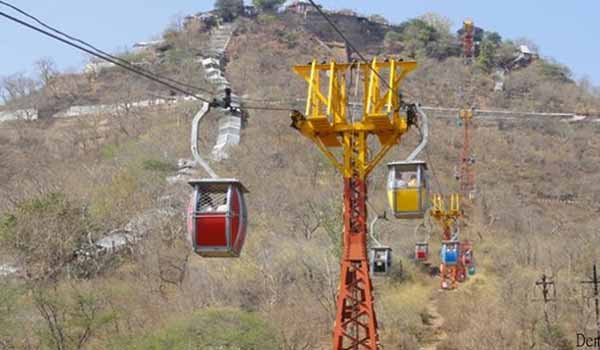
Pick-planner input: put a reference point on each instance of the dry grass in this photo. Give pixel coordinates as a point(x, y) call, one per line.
point(288, 272)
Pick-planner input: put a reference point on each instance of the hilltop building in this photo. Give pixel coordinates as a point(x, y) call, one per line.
point(302, 7)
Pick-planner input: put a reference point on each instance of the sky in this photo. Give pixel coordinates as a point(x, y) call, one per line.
point(567, 32)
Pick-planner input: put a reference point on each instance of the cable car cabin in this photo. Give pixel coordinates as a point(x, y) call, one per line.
point(380, 260)
point(407, 189)
point(461, 273)
point(421, 251)
point(450, 252)
point(466, 249)
point(217, 217)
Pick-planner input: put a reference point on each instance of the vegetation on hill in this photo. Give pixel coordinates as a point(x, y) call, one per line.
point(267, 5)
point(229, 9)
point(67, 182)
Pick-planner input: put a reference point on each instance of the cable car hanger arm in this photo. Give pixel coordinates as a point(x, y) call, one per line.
point(194, 140)
point(224, 103)
point(372, 228)
point(424, 128)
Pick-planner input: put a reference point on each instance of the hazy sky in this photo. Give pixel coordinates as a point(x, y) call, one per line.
point(567, 31)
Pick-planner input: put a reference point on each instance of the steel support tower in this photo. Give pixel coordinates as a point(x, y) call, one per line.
point(467, 160)
point(346, 142)
point(447, 218)
point(468, 41)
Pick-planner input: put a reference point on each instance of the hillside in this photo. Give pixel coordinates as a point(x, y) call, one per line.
point(67, 182)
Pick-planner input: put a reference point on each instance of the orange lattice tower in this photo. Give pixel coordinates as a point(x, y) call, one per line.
point(468, 41)
point(354, 146)
point(467, 160)
point(447, 218)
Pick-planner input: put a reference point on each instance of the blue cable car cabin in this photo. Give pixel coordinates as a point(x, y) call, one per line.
point(407, 188)
point(217, 217)
point(450, 252)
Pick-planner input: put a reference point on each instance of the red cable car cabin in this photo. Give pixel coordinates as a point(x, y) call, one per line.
point(421, 251)
point(217, 217)
point(466, 251)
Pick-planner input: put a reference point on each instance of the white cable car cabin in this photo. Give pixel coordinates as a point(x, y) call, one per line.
point(380, 260)
point(217, 217)
point(408, 192)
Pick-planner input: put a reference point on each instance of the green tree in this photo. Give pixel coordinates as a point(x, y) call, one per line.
point(416, 34)
point(222, 328)
point(555, 71)
point(71, 318)
point(420, 39)
point(443, 47)
point(506, 53)
point(267, 5)
point(229, 9)
point(43, 233)
point(488, 51)
point(487, 54)
point(393, 40)
point(441, 23)
point(494, 37)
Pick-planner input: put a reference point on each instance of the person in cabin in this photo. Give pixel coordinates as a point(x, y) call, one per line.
point(412, 182)
point(223, 206)
point(399, 182)
point(206, 203)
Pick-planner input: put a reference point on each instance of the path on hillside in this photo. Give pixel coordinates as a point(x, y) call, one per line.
point(214, 61)
point(434, 327)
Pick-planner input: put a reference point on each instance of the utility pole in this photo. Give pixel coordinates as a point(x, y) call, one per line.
point(547, 285)
point(327, 123)
point(595, 282)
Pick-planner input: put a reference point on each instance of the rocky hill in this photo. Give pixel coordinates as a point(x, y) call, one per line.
point(69, 183)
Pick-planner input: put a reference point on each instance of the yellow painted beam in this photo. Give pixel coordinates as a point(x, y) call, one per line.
point(326, 121)
point(305, 68)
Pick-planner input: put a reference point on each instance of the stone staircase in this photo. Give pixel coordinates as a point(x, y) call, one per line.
point(499, 78)
point(230, 122)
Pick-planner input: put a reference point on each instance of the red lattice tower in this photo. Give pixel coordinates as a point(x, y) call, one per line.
point(356, 323)
point(468, 40)
point(344, 139)
point(467, 161)
point(447, 218)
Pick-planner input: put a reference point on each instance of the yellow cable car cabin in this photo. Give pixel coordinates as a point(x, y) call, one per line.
point(408, 189)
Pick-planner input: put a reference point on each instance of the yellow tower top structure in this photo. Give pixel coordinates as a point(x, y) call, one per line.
point(326, 120)
point(329, 123)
